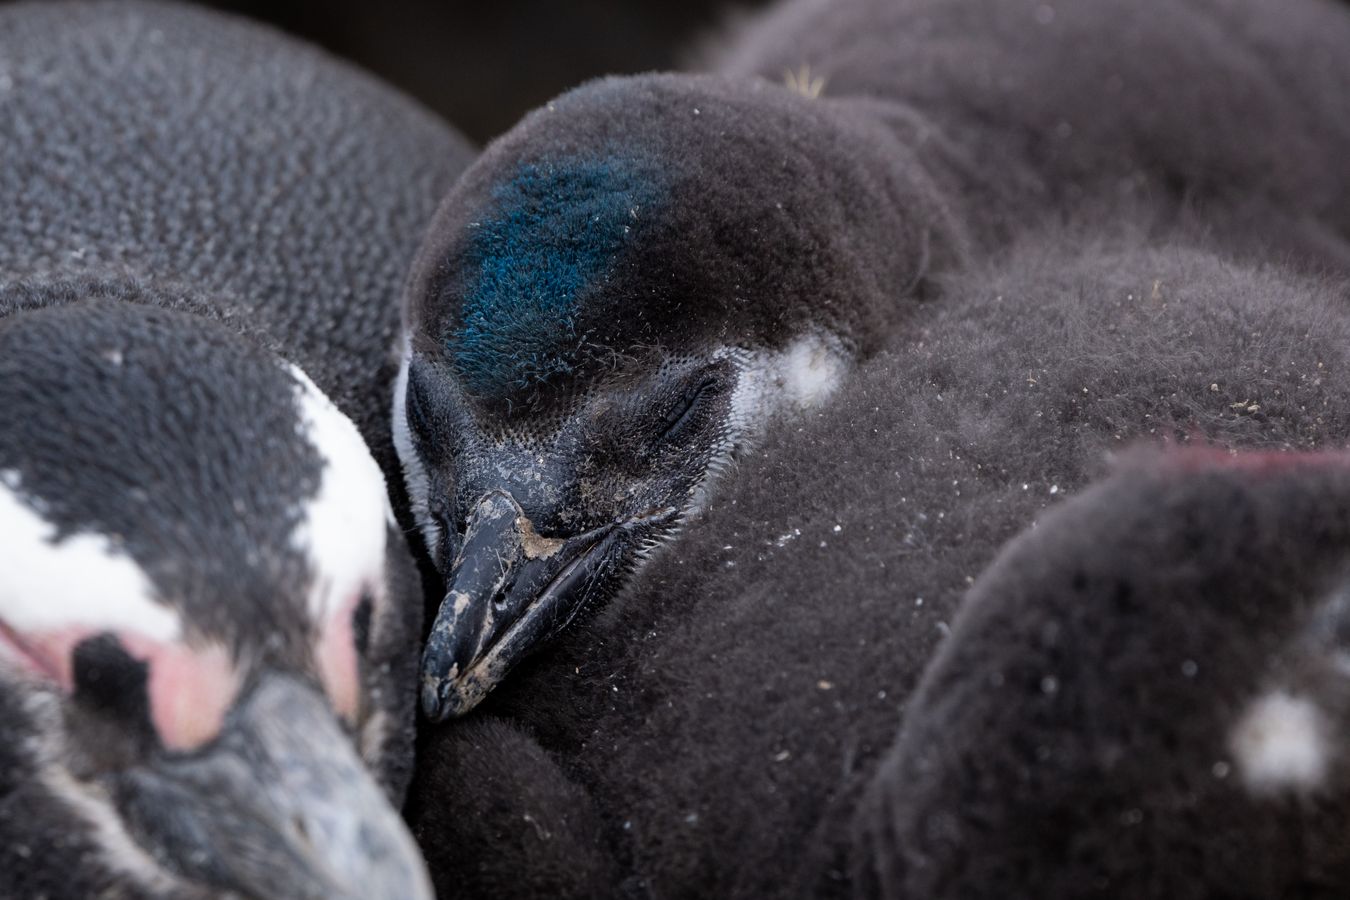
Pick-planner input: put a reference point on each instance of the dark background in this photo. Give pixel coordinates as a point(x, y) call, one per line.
point(481, 65)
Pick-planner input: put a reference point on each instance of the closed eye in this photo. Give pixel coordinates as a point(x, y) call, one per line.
point(686, 410)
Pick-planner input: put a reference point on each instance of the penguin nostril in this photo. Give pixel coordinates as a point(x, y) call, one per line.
point(301, 829)
point(499, 596)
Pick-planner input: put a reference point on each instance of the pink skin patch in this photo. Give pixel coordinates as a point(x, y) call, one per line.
point(190, 689)
point(45, 654)
point(338, 665)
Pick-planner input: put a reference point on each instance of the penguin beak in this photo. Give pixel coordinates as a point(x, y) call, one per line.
point(511, 590)
point(279, 806)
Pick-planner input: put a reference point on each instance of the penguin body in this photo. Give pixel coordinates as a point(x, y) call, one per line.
point(212, 159)
point(1145, 696)
point(624, 289)
point(206, 608)
point(1235, 112)
point(729, 715)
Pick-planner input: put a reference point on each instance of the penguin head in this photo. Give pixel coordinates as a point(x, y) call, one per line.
point(204, 610)
point(610, 303)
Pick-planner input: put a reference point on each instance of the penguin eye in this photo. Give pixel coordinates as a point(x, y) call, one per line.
point(687, 410)
point(435, 416)
point(361, 624)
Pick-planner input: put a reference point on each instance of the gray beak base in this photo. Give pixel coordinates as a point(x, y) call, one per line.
point(279, 806)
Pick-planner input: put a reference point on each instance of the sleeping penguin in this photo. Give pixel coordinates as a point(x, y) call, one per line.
point(626, 287)
point(723, 727)
point(1147, 695)
point(207, 610)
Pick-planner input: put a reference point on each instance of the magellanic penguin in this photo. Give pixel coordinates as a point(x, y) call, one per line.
point(208, 617)
point(623, 288)
point(719, 728)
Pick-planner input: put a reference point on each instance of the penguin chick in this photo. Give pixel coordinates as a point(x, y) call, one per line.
point(1145, 696)
point(728, 714)
point(624, 289)
point(207, 614)
point(606, 313)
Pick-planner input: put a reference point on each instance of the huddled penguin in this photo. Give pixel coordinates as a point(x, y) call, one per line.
point(1148, 695)
point(208, 615)
point(720, 728)
point(624, 288)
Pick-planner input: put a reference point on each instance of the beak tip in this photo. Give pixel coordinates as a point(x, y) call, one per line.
point(432, 707)
point(447, 696)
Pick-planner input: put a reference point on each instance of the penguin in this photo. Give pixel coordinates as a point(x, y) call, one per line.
point(727, 725)
point(623, 289)
point(1144, 696)
point(208, 613)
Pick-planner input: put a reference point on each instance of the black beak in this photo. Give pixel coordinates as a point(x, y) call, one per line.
point(509, 591)
point(279, 806)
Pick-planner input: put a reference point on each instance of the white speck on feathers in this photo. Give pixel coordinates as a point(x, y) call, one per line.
point(1280, 743)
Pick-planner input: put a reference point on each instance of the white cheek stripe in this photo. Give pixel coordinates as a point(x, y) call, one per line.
point(80, 581)
point(414, 470)
point(343, 526)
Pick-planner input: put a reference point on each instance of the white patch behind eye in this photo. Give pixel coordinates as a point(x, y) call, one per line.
point(81, 581)
point(1280, 743)
point(414, 470)
point(344, 525)
point(810, 369)
point(801, 376)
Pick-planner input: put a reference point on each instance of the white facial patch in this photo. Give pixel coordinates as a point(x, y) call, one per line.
point(79, 584)
point(414, 470)
point(1280, 743)
point(801, 376)
point(342, 531)
point(810, 370)
point(55, 594)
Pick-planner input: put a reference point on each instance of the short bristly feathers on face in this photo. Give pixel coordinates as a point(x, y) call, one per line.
point(620, 292)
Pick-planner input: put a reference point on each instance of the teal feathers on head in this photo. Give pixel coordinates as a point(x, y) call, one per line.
point(553, 233)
